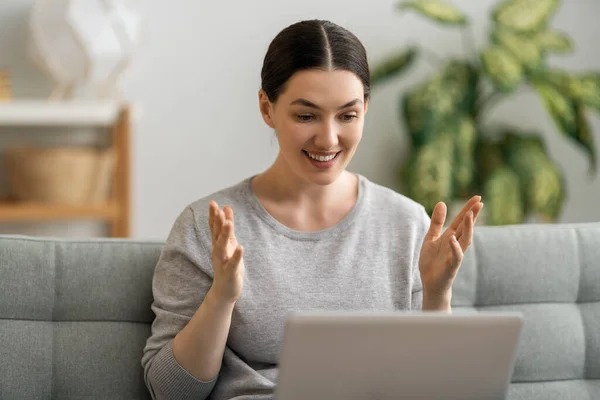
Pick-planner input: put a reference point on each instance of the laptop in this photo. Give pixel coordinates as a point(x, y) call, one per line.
point(398, 355)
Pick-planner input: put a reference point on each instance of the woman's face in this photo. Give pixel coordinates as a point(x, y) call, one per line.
point(318, 119)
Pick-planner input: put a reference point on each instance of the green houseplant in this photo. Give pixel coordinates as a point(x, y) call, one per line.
point(453, 154)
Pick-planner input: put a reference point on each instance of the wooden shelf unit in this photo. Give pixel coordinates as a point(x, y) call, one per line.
point(112, 115)
point(22, 211)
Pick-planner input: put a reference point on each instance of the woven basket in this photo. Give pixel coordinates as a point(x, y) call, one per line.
point(66, 175)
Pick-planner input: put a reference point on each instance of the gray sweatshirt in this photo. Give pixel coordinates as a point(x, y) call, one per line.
point(368, 261)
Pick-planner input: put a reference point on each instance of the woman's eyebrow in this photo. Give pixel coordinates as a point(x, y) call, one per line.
point(304, 102)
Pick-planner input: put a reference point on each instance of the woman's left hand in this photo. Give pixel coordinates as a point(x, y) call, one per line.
point(442, 253)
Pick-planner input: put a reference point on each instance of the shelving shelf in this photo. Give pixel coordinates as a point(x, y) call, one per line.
point(113, 115)
point(68, 113)
point(11, 210)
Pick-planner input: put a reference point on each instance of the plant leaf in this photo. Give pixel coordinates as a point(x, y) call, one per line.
point(524, 152)
point(553, 41)
point(461, 79)
point(418, 117)
point(524, 15)
point(502, 68)
point(504, 200)
point(585, 88)
point(437, 10)
point(561, 108)
point(556, 77)
point(453, 90)
point(449, 92)
point(585, 137)
point(392, 66)
point(542, 181)
point(526, 51)
point(489, 156)
point(569, 115)
point(464, 160)
point(429, 172)
point(546, 191)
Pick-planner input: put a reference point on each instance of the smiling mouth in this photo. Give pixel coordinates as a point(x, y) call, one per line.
point(321, 158)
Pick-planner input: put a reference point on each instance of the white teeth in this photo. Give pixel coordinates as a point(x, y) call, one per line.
point(321, 158)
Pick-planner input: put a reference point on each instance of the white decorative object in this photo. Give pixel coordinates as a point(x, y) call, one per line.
point(79, 42)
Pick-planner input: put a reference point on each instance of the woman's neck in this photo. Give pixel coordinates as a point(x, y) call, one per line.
point(304, 205)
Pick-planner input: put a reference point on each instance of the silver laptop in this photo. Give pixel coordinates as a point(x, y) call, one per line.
point(401, 355)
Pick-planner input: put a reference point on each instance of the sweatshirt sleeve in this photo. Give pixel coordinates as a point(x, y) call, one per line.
point(179, 285)
point(417, 287)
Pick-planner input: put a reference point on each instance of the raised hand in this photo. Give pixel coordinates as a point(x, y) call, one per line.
point(442, 253)
point(227, 255)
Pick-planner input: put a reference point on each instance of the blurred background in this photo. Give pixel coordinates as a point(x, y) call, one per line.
point(191, 87)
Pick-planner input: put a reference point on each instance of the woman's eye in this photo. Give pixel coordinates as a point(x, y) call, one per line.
point(305, 117)
point(349, 117)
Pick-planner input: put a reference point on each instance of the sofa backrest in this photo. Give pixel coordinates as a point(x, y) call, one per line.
point(75, 314)
point(74, 317)
point(550, 273)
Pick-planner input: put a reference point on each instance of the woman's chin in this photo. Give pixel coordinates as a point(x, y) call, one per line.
point(323, 177)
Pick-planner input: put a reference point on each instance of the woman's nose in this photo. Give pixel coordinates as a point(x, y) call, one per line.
point(327, 137)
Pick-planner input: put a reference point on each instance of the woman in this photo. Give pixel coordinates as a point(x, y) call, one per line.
point(303, 235)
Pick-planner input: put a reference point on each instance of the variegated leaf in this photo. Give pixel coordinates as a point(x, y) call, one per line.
point(502, 191)
point(542, 182)
point(461, 79)
point(585, 88)
point(546, 191)
point(585, 137)
point(524, 15)
point(489, 156)
point(436, 10)
point(553, 41)
point(524, 152)
point(450, 91)
point(502, 68)
point(393, 65)
point(418, 115)
point(569, 115)
point(429, 172)
point(464, 144)
point(560, 107)
point(557, 78)
point(526, 51)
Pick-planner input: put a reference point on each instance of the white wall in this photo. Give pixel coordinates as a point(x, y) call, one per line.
point(196, 78)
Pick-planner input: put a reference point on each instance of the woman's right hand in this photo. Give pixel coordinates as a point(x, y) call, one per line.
point(227, 255)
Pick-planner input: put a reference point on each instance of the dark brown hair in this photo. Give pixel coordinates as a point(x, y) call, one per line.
point(312, 44)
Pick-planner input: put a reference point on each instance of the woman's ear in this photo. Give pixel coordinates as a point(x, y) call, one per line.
point(266, 108)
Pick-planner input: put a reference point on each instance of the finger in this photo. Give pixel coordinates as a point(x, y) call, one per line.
point(466, 208)
point(223, 239)
point(457, 254)
point(438, 217)
point(465, 239)
point(212, 207)
point(236, 258)
point(458, 219)
point(228, 213)
point(476, 210)
point(219, 221)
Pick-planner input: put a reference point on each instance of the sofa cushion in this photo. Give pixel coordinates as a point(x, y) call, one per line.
point(550, 273)
point(74, 317)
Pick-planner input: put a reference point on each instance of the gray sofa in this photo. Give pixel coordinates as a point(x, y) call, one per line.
point(75, 313)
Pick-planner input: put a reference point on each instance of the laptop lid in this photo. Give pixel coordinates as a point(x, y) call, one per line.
point(430, 355)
